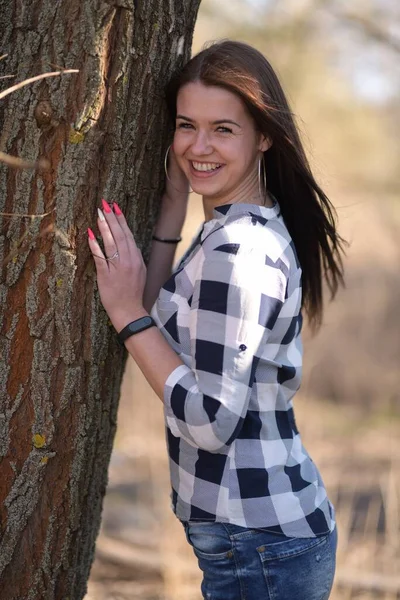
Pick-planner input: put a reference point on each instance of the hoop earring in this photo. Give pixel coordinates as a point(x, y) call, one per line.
point(262, 194)
point(167, 176)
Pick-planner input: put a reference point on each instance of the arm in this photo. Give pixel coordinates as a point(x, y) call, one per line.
point(169, 225)
point(236, 301)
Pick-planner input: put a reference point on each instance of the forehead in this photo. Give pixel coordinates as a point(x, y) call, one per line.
point(198, 101)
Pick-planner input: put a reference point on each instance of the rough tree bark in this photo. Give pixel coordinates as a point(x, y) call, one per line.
point(103, 131)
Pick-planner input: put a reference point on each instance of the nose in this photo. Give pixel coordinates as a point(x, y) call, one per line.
point(201, 144)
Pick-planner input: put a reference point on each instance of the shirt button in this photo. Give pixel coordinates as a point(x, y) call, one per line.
point(242, 347)
point(229, 554)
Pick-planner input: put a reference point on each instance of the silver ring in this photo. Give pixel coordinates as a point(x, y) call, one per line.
point(115, 255)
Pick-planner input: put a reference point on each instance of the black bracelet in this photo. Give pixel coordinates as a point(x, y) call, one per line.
point(167, 240)
point(135, 327)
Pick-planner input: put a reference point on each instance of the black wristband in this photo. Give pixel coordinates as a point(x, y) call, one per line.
point(135, 327)
point(168, 240)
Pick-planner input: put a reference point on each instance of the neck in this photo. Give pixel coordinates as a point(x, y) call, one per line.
point(249, 196)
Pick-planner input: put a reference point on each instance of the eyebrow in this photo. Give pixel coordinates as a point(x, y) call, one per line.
point(219, 122)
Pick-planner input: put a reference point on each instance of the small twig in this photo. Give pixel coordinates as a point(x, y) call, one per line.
point(14, 161)
point(368, 581)
point(58, 67)
point(26, 216)
point(371, 29)
point(7, 76)
point(3, 56)
point(21, 84)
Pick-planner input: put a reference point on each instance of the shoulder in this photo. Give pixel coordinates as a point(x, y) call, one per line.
point(250, 234)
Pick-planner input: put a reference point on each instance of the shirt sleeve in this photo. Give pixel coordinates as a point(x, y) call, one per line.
point(238, 294)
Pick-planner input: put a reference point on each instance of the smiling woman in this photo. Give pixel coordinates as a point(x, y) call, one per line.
point(218, 147)
point(222, 346)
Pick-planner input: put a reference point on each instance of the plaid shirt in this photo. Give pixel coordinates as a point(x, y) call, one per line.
point(231, 310)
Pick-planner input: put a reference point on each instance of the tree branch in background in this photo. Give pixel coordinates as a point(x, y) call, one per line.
point(370, 28)
point(20, 163)
point(21, 84)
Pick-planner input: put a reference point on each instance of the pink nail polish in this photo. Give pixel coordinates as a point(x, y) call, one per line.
point(106, 206)
point(117, 209)
point(91, 234)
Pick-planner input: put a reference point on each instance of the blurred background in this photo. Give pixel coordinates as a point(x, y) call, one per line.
point(339, 64)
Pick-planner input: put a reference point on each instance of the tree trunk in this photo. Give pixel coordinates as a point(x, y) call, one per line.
point(103, 131)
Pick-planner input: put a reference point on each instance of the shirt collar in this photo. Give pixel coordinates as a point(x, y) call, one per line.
point(222, 213)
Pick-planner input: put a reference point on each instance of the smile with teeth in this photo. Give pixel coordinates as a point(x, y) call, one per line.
point(205, 166)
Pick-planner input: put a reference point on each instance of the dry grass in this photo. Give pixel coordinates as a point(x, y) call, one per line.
point(142, 552)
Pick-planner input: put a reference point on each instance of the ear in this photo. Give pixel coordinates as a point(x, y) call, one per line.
point(265, 143)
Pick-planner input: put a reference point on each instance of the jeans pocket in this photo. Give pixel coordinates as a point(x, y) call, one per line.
point(209, 540)
point(301, 568)
point(213, 549)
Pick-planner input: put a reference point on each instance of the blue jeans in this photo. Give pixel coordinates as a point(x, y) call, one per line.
point(254, 564)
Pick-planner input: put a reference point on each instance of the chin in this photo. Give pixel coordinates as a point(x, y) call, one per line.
point(205, 190)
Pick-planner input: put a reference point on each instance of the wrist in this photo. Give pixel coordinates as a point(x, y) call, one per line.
point(170, 220)
point(122, 319)
point(174, 240)
point(176, 200)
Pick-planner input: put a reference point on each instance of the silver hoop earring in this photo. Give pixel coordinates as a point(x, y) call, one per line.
point(263, 194)
point(166, 173)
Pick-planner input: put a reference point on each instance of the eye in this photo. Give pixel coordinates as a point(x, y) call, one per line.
point(184, 125)
point(223, 129)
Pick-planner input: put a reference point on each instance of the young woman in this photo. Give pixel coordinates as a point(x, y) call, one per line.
point(225, 355)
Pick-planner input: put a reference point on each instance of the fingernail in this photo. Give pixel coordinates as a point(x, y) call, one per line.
point(106, 206)
point(91, 234)
point(117, 209)
point(101, 215)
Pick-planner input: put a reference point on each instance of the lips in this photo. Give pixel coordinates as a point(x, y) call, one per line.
point(204, 169)
point(205, 166)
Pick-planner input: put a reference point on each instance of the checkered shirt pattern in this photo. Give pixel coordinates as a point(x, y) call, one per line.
point(231, 311)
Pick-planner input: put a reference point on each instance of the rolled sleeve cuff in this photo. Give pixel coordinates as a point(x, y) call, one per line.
point(181, 375)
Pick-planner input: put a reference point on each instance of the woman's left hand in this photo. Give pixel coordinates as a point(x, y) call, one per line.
point(121, 274)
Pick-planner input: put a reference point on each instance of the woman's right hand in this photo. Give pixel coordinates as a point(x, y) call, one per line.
point(177, 186)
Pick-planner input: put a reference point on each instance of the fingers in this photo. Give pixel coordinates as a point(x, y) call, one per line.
point(115, 233)
point(177, 178)
point(110, 246)
point(114, 238)
point(124, 225)
point(99, 258)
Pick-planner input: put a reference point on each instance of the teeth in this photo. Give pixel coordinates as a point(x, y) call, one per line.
point(205, 166)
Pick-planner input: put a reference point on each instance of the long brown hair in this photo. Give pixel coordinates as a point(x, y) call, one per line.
point(306, 210)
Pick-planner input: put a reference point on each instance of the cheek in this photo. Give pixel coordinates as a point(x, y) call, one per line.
point(241, 164)
point(180, 144)
point(236, 151)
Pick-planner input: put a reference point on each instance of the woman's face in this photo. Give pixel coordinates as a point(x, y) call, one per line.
point(215, 142)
